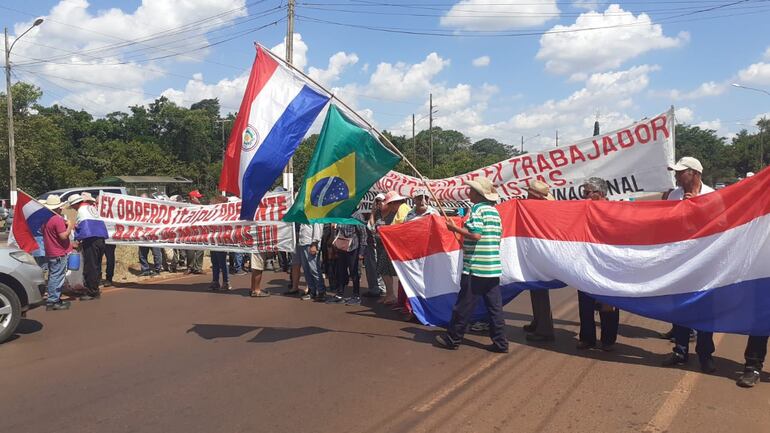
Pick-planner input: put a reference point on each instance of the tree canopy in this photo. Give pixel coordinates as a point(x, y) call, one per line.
point(58, 147)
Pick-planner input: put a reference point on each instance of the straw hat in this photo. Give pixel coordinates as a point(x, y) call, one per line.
point(540, 189)
point(53, 202)
point(484, 187)
point(392, 196)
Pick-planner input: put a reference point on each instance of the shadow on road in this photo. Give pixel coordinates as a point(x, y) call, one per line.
point(26, 327)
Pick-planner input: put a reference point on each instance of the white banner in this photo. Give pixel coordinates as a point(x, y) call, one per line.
point(633, 160)
point(159, 223)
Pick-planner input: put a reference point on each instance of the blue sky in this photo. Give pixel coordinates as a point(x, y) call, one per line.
point(496, 68)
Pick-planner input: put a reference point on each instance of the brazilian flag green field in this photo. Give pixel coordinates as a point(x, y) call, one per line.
point(346, 162)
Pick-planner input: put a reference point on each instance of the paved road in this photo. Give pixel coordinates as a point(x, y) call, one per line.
point(168, 356)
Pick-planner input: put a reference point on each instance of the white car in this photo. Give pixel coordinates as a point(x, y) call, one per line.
point(22, 286)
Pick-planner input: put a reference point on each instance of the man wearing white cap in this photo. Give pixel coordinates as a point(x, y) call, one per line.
point(688, 172)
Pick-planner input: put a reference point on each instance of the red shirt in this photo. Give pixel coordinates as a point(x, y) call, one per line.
point(54, 246)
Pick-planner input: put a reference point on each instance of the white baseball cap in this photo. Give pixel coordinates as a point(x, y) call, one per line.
point(687, 162)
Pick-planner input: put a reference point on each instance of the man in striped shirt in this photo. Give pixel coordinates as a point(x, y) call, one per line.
point(481, 268)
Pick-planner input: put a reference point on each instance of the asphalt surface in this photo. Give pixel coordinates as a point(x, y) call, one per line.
point(169, 356)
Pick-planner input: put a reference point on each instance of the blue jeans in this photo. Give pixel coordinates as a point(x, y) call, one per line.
point(157, 259)
point(236, 261)
point(219, 265)
point(57, 270)
point(311, 266)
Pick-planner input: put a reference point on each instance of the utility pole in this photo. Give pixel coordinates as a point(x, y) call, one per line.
point(522, 144)
point(557, 138)
point(414, 142)
point(11, 143)
point(431, 112)
point(9, 101)
point(288, 173)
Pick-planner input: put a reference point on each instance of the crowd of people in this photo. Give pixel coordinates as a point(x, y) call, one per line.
point(330, 257)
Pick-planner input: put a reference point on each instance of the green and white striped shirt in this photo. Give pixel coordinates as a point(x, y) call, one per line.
point(482, 258)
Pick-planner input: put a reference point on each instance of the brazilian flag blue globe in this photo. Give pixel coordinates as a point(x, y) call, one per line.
point(346, 162)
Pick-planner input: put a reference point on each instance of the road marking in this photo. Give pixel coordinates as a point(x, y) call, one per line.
point(676, 399)
point(489, 362)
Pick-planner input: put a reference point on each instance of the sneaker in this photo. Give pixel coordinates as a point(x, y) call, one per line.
point(87, 298)
point(146, 274)
point(214, 286)
point(321, 297)
point(584, 345)
point(107, 283)
point(749, 378)
point(480, 327)
point(306, 297)
point(61, 305)
point(443, 341)
point(336, 299)
point(673, 360)
point(707, 365)
point(353, 300)
point(497, 349)
point(227, 287)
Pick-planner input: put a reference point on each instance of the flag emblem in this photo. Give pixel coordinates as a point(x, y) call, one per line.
point(330, 186)
point(250, 138)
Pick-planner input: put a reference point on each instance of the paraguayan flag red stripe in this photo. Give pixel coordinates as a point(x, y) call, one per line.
point(701, 263)
point(29, 216)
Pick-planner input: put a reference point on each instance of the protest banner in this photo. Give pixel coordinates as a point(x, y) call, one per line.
point(633, 160)
point(159, 223)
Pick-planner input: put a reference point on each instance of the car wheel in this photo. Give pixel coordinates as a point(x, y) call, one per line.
point(10, 312)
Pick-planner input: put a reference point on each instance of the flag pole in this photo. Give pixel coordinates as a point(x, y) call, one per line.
point(362, 119)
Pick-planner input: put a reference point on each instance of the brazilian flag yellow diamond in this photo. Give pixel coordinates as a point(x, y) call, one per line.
point(330, 187)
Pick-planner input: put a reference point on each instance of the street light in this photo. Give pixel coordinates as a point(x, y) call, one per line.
point(741, 86)
point(9, 101)
point(761, 129)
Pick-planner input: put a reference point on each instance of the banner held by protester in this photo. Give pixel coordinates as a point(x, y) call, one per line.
point(159, 223)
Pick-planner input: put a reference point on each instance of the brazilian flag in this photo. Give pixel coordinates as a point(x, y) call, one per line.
point(347, 161)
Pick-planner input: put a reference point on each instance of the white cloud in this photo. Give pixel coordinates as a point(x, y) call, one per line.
point(91, 59)
point(337, 64)
point(706, 89)
point(684, 115)
point(767, 54)
point(567, 50)
point(590, 5)
point(481, 61)
point(299, 51)
point(228, 91)
point(404, 81)
point(757, 74)
point(511, 14)
point(715, 124)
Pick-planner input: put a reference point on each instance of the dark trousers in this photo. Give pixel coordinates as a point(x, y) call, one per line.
point(93, 251)
point(756, 350)
point(704, 345)
point(347, 269)
point(219, 266)
point(471, 289)
point(109, 254)
point(542, 319)
point(610, 321)
point(157, 259)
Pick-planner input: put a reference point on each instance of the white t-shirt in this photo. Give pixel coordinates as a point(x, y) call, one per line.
point(678, 192)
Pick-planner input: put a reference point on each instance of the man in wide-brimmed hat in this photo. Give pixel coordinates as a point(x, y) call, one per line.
point(541, 327)
point(91, 233)
point(481, 268)
point(56, 240)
